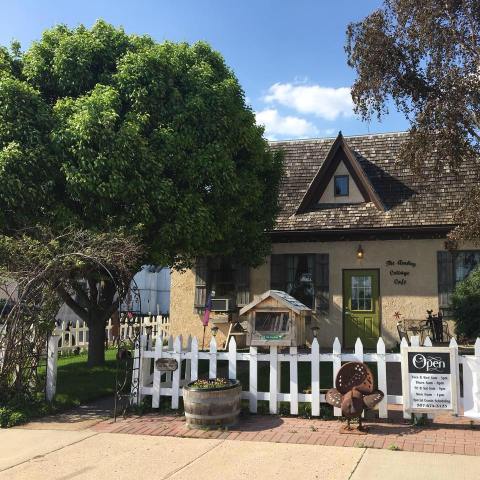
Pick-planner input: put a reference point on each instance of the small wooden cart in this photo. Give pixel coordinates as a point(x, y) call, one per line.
point(276, 318)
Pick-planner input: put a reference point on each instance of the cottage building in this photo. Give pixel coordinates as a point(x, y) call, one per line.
point(360, 239)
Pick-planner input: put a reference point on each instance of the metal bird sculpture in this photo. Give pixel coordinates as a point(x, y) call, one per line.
point(354, 392)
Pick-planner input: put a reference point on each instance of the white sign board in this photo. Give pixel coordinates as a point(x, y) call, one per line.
point(430, 379)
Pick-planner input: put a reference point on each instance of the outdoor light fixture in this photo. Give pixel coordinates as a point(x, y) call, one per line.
point(149, 329)
point(214, 331)
point(315, 331)
point(360, 252)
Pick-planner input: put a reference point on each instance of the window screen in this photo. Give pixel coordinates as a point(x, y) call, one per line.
point(271, 321)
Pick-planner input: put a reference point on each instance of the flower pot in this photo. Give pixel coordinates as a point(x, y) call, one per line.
point(212, 407)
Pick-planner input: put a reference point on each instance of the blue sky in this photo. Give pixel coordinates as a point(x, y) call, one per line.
point(287, 54)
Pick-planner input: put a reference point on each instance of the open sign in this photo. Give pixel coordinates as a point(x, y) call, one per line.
point(429, 379)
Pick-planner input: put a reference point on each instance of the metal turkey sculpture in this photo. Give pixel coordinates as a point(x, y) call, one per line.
point(354, 392)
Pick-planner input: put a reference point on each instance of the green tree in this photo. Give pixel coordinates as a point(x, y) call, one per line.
point(107, 131)
point(425, 55)
point(466, 306)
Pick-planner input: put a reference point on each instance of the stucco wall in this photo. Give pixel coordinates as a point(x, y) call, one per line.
point(183, 318)
point(411, 298)
point(354, 195)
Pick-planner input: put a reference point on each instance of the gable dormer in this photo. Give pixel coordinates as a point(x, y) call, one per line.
point(340, 180)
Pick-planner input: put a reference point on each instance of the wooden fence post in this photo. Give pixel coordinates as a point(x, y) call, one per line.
point(382, 378)
point(453, 344)
point(144, 366)
point(293, 381)
point(177, 346)
point(274, 375)
point(52, 358)
point(403, 344)
point(194, 360)
point(315, 351)
point(157, 374)
point(188, 362)
point(337, 363)
point(253, 372)
point(232, 359)
point(212, 370)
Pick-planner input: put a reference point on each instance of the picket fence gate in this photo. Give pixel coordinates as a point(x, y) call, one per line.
point(169, 384)
point(75, 335)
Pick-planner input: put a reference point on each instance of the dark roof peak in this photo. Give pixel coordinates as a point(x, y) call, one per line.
point(339, 152)
point(409, 200)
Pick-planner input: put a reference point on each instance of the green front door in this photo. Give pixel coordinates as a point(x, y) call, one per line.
point(361, 311)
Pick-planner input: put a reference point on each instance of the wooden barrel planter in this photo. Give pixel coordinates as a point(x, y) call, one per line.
point(216, 406)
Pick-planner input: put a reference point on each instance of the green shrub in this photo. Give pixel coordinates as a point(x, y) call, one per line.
point(10, 418)
point(466, 306)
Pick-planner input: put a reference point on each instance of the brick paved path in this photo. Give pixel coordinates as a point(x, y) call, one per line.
point(445, 435)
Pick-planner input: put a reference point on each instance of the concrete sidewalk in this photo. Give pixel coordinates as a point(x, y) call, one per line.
point(87, 454)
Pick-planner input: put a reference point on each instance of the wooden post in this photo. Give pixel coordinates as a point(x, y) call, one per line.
point(232, 359)
point(315, 378)
point(337, 363)
point(382, 378)
point(274, 375)
point(177, 346)
point(406, 415)
point(194, 360)
point(293, 381)
point(212, 371)
point(157, 374)
point(188, 362)
point(253, 379)
point(52, 357)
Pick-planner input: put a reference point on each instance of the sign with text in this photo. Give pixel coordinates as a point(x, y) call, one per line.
point(429, 379)
point(166, 364)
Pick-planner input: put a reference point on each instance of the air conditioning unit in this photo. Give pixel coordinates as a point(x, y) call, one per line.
point(221, 304)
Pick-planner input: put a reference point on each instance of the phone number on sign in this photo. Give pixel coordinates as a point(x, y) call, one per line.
point(431, 405)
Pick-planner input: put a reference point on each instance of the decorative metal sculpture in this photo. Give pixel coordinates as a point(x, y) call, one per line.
point(354, 393)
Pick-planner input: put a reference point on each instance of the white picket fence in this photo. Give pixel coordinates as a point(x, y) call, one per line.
point(73, 335)
point(158, 384)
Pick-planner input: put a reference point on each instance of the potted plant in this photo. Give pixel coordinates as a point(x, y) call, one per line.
point(212, 403)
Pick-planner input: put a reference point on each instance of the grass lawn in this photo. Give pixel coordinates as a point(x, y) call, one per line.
point(78, 384)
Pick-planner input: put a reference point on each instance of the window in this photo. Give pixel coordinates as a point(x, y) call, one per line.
point(341, 185)
point(452, 268)
point(271, 321)
point(226, 277)
point(300, 278)
point(221, 277)
point(465, 263)
point(304, 277)
point(361, 292)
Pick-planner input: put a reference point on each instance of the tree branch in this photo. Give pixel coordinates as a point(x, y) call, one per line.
point(70, 302)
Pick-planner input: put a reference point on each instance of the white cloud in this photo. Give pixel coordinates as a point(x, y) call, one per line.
point(325, 102)
point(285, 126)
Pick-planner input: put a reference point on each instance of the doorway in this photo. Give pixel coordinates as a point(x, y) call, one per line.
point(361, 307)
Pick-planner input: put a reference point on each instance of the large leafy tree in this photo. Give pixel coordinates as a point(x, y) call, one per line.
point(425, 55)
point(114, 132)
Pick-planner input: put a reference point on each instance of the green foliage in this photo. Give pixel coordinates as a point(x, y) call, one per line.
point(424, 56)
point(108, 131)
point(77, 384)
point(465, 304)
point(10, 417)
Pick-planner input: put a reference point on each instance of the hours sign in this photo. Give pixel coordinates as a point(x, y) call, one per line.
point(429, 379)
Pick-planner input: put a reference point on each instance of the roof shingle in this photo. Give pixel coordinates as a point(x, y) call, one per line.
point(410, 200)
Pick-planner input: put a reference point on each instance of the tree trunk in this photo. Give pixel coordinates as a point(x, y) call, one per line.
point(96, 342)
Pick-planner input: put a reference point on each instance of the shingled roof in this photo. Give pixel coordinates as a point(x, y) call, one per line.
point(410, 201)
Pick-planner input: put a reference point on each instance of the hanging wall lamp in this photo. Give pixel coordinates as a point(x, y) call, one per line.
point(360, 252)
